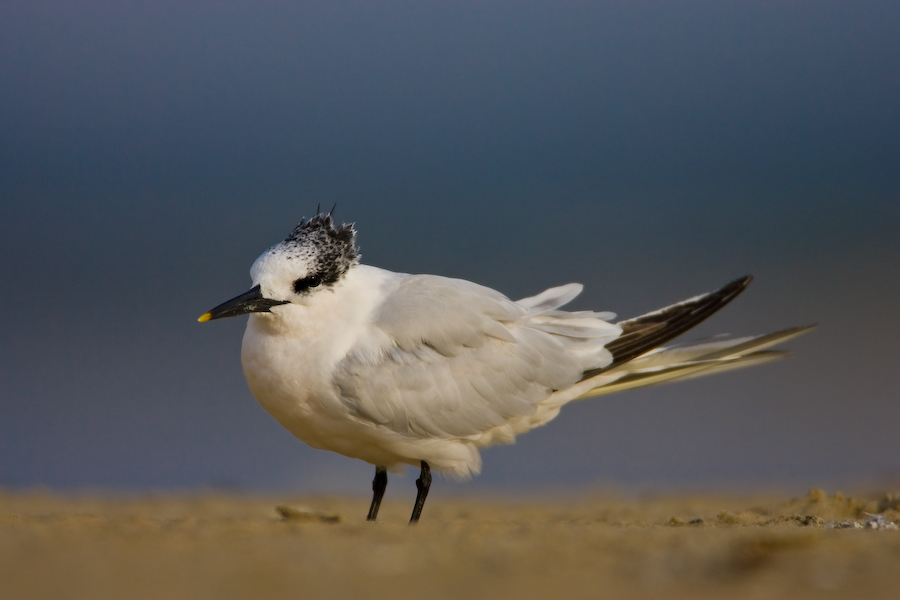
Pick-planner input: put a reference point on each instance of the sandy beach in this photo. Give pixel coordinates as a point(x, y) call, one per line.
point(226, 546)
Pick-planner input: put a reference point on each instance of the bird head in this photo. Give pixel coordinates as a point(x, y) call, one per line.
point(312, 259)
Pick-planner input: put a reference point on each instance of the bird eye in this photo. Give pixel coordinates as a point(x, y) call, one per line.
point(304, 283)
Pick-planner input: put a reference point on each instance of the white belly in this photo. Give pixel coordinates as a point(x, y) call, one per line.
point(290, 378)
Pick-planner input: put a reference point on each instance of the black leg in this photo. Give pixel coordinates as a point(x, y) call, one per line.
point(378, 485)
point(422, 483)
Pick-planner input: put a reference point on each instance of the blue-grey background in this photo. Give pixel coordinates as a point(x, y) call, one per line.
point(149, 151)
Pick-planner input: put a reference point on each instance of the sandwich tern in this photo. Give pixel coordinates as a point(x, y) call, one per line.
point(398, 369)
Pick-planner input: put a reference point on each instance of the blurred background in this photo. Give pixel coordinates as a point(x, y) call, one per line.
point(149, 151)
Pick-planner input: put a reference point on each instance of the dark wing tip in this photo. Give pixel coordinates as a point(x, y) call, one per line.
point(737, 286)
point(743, 282)
point(646, 332)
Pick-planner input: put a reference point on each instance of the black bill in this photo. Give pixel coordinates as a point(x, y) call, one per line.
point(249, 302)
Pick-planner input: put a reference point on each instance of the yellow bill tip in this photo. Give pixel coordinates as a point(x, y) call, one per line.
point(204, 318)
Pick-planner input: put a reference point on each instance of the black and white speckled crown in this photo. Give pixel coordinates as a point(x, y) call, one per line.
point(334, 247)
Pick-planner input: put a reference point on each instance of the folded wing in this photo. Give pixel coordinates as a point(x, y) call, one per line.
point(455, 359)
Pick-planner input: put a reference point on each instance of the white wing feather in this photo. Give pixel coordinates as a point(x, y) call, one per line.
point(459, 359)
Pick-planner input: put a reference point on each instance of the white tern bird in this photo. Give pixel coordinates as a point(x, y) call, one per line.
point(398, 369)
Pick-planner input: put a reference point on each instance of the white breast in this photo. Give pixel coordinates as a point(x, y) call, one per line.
point(288, 358)
point(289, 354)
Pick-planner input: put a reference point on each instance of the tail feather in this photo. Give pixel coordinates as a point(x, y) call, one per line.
point(694, 360)
point(712, 350)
